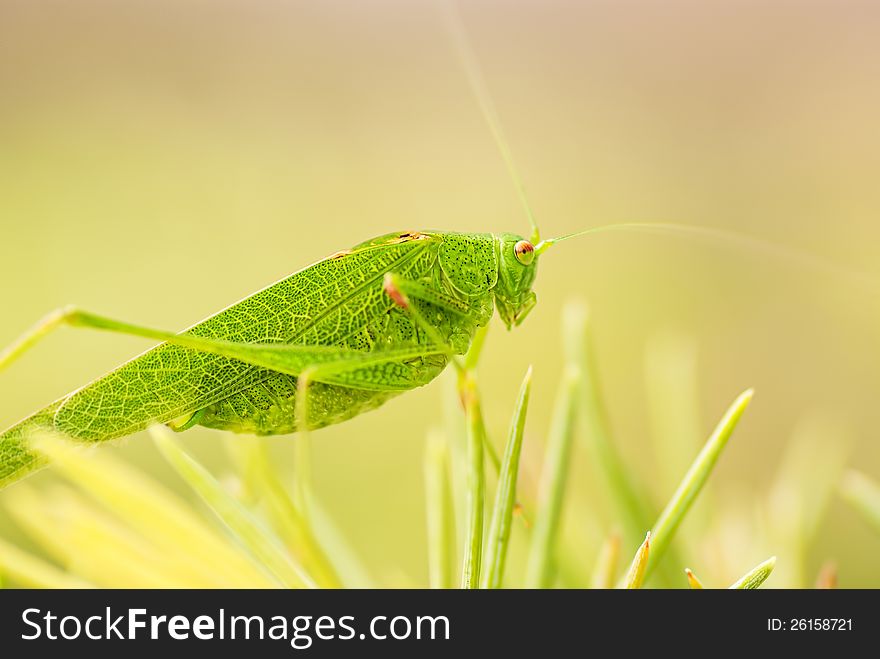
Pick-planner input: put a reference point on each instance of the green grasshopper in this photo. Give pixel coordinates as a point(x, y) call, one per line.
point(360, 327)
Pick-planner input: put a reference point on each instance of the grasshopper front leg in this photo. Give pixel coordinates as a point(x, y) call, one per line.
point(400, 290)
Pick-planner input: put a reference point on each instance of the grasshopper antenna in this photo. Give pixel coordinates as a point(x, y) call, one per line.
point(484, 99)
point(792, 255)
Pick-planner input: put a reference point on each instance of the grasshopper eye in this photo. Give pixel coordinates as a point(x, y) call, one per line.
point(524, 251)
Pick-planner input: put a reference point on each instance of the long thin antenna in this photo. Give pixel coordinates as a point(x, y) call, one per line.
point(793, 255)
point(484, 99)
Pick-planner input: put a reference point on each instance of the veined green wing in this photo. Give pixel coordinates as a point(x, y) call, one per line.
point(332, 302)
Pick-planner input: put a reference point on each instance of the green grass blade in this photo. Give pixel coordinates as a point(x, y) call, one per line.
point(635, 576)
point(264, 483)
point(551, 489)
point(606, 564)
point(505, 497)
point(693, 581)
point(694, 479)
point(476, 349)
point(756, 576)
point(863, 494)
point(245, 527)
point(440, 516)
point(302, 448)
point(470, 363)
point(476, 483)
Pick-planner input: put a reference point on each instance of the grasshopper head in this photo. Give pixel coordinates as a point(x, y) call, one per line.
point(517, 266)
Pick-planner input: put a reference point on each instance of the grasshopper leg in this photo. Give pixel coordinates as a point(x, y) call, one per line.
point(27, 340)
point(400, 290)
point(330, 362)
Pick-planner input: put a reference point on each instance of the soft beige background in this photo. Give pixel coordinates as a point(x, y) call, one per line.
point(159, 160)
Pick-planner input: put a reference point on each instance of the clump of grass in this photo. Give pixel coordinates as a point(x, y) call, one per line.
point(114, 526)
point(242, 525)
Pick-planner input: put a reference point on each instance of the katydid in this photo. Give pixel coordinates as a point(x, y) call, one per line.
point(363, 325)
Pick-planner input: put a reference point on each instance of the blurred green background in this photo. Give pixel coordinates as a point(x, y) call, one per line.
point(160, 160)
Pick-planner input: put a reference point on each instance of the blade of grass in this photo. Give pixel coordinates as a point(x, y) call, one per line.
point(756, 576)
point(263, 481)
point(505, 496)
point(551, 488)
point(166, 519)
point(635, 576)
point(476, 482)
point(863, 494)
point(694, 479)
point(470, 363)
point(476, 349)
point(245, 528)
point(302, 462)
point(693, 582)
point(606, 564)
point(441, 522)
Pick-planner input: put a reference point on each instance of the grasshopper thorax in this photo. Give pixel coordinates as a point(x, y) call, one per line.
point(517, 265)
